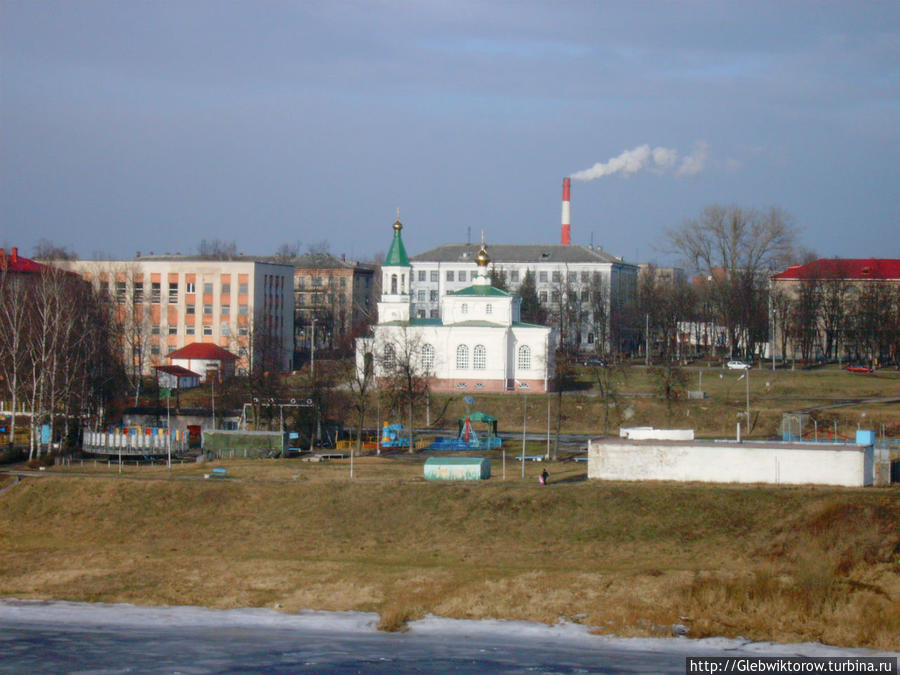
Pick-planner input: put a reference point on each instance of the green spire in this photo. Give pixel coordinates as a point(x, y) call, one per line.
point(396, 256)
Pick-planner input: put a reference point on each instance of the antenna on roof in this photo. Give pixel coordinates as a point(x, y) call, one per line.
point(468, 235)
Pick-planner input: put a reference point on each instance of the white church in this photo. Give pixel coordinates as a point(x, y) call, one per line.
point(477, 343)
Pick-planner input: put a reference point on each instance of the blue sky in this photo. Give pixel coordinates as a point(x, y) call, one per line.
point(147, 126)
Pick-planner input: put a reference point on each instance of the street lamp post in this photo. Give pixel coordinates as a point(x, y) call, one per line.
point(312, 349)
point(524, 420)
point(746, 376)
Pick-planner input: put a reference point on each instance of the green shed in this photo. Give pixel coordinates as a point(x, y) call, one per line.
point(457, 468)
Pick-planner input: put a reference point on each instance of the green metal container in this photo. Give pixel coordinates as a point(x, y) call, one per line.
point(457, 468)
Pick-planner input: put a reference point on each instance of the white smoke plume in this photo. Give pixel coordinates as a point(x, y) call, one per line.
point(643, 157)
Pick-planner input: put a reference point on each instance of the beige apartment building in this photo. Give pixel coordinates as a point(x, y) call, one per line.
point(167, 302)
point(336, 294)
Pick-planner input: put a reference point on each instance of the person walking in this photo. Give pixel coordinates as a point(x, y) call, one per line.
point(544, 477)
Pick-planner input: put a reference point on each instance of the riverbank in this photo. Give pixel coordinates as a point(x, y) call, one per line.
point(766, 563)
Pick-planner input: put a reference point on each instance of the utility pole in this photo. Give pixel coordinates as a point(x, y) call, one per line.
point(647, 340)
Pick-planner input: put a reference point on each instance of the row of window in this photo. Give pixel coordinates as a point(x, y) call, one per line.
point(479, 357)
point(513, 276)
point(137, 291)
point(190, 329)
point(224, 310)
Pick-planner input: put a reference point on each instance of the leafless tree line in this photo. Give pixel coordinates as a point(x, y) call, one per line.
point(836, 319)
point(59, 352)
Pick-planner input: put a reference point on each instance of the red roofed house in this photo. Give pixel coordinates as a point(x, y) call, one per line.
point(843, 308)
point(205, 358)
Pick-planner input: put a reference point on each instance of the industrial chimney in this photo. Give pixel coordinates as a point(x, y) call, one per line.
point(566, 222)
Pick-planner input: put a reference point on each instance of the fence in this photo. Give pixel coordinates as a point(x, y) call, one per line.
point(153, 441)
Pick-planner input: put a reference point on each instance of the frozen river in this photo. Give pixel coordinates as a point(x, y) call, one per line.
point(56, 637)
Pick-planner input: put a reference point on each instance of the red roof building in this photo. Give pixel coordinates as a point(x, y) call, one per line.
point(206, 358)
point(14, 263)
point(850, 269)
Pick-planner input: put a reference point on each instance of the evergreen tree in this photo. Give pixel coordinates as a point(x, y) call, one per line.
point(532, 311)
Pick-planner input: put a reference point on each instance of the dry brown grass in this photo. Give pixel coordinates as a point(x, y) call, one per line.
point(767, 563)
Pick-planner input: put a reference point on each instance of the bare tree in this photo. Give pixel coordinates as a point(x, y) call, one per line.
point(734, 246)
point(47, 250)
point(286, 253)
point(805, 317)
point(15, 333)
point(216, 249)
point(402, 366)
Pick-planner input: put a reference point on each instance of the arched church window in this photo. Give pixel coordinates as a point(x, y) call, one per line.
point(479, 357)
point(462, 357)
point(524, 360)
point(428, 358)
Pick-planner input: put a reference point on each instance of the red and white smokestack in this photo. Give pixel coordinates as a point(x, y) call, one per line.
point(566, 221)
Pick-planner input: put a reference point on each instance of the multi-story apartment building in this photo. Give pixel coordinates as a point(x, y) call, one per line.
point(565, 275)
point(336, 294)
point(167, 302)
point(837, 308)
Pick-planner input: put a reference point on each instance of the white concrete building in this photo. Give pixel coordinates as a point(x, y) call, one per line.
point(167, 302)
point(474, 341)
point(775, 462)
point(570, 275)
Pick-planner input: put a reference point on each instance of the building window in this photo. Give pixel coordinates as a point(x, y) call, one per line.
point(154, 329)
point(120, 292)
point(154, 350)
point(479, 357)
point(434, 314)
point(207, 310)
point(542, 276)
point(243, 330)
point(434, 276)
point(428, 358)
point(173, 330)
point(464, 308)
point(555, 296)
point(155, 292)
point(462, 357)
point(190, 309)
point(585, 277)
point(226, 310)
point(243, 310)
point(244, 288)
point(433, 296)
point(207, 288)
point(543, 296)
point(389, 357)
point(421, 296)
point(190, 287)
point(449, 275)
point(421, 275)
point(420, 313)
point(489, 308)
point(207, 330)
point(173, 294)
point(572, 277)
point(556, 276)
point(226, 289)
point(137, 293)
point(189, 329)
point(524, 360)
point(514, 276)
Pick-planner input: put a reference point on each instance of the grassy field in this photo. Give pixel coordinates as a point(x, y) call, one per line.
point(771, 394)
point(785, 564)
